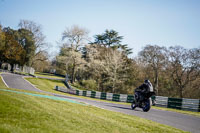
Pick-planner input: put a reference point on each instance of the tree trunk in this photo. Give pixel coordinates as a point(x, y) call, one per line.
point(73, 74)
point(113, 87)
point(114, 82)
point(181, 92)
point(156, 81)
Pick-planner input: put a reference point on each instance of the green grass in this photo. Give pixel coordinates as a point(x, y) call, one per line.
point(2, 85)
point(179, 111)
point(49, 85)
point(23, 113)
point(21, 73)
point(45, 84)
point(48, 75)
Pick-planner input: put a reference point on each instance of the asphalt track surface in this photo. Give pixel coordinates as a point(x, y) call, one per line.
point(177, 120)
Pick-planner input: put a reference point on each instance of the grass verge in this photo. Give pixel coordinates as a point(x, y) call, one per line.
point(178, 111)
point(2, 85)
point(48, 75)
point(23, 113)
point(48, 85)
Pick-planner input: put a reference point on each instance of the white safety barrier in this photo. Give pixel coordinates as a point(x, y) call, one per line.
point(190, 104)
point(98, 95)
point(175, 103)
point(161, 101)
point(88, 94)
point(109, 96)
point(123, 97)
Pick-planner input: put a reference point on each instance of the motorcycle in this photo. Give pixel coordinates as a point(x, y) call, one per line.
point(142, 101)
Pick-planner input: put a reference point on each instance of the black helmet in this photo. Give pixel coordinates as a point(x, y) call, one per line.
point(146, 81)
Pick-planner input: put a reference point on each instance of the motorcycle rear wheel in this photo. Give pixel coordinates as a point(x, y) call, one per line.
point(147, 106)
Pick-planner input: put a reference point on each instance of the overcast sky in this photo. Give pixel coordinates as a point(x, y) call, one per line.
point(141, 22)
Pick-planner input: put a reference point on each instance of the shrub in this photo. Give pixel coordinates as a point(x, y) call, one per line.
point(89, 84)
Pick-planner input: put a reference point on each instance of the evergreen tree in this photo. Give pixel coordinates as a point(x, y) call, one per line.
point(112, 39)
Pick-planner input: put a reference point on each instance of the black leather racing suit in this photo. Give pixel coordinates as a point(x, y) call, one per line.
point(141, 91)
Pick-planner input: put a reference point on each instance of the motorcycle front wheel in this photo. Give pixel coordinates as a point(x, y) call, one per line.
point(133, 105)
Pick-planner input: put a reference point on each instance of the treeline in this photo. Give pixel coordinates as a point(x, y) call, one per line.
point(104, 65)
point(24, 46)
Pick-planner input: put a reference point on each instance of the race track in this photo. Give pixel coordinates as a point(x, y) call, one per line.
point(177, 120)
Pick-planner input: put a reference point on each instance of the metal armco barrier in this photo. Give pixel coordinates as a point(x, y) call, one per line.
point(130, 98)
point(103, 95)
point(66, 90)
point(191, 104)
point(175, 103)
point(93, 94)
point(116, 97)
point(178, 103)
point(161, 101)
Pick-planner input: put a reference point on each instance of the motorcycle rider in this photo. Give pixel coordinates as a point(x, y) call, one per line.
point(143, 90)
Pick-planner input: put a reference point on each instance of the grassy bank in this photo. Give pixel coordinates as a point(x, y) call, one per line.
point(48, 75)
point(23, 113)
point(2, 85)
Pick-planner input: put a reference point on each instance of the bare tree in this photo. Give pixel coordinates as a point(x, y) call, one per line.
point(37, 32)
point(39, 38)
point(154, 56)
point(42, 64)
point(70, 51)
point(108, 62)
point(184, 66)
point(113, 64)
point(72, 61)
point(75, 36)
point(94, 63)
